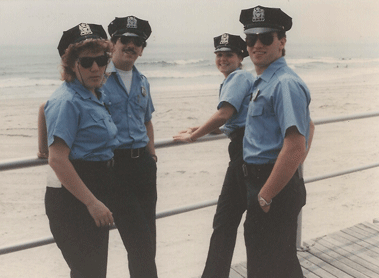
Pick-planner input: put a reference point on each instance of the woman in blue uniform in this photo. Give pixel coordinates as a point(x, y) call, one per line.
point(81, 140)
point(230, 117)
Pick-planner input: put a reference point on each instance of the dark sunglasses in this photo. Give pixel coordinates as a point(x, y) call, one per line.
point(87, 62)
point(137, 41)
point(266, 39)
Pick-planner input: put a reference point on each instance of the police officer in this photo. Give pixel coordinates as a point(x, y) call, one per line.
point(81, 139)
point(274, 145)
point(131, 106)
point(230, 117)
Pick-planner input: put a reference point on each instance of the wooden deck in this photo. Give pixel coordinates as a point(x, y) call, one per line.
point(352, 252)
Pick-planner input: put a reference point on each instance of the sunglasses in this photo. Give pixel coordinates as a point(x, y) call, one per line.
point(266, 39)
point(87, 62)
point(137, 41)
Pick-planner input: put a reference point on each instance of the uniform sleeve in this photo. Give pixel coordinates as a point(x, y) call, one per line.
point(291, 106)
point(234, 90)
point(150, 107)
point(62, 119)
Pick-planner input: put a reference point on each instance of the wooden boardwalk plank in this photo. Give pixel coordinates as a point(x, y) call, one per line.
point(366, 256)
point(371, 250)
point(351, 252)
point(334, 261)
point(342, 259)
point(361, 235)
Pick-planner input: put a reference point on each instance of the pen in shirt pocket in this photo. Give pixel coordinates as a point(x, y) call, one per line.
point(254, 96)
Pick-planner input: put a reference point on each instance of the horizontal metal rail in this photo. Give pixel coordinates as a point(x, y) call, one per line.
point(34, 161)
point(49, 240)
point(164, 143)
point(30, 162)
point(346, 118)
point(167, 213)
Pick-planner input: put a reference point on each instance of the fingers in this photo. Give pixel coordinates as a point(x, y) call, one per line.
point(101, 215)
point(105, 221)
point(182, 138)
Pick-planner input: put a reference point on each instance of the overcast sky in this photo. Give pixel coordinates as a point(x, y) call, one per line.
point(186, 21)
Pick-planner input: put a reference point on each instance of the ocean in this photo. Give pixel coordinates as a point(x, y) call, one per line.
point(32, 71)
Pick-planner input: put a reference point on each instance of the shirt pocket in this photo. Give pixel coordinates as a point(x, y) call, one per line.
point(141, 101)
point(104, 126)
point(256, 111)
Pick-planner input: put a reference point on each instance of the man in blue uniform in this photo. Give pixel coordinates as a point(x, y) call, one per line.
point(131, 107)
point(275, 143)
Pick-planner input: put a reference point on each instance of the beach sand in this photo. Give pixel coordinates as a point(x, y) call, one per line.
point(193, 173)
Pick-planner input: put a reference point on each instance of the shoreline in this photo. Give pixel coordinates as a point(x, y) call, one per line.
point(193, 173)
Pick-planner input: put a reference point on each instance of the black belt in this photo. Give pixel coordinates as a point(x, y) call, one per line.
point(238, 133)
point(103, 164)
point(257, 171)
point(130, 153)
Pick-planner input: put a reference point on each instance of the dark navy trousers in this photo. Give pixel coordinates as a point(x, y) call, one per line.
point(270, 238)
point(84, 246)
point(134, 211)
point(230, 207)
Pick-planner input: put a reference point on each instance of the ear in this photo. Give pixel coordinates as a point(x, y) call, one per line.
point(75, 66)
point(141, 51)
point(282, 42)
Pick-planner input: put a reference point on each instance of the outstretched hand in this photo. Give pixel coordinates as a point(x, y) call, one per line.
point(183, 137)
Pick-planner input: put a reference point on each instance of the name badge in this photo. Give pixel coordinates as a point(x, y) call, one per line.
point(144, 93)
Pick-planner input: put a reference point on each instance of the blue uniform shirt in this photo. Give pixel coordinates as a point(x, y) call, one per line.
point(76, 116)
point(130, 110)
point(280, 99)
point(236, 90)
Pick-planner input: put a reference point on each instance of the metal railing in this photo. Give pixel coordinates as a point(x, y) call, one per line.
point(33, 161)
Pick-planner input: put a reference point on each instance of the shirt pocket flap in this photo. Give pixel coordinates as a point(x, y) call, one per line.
point(256, 110)
point(96, 117)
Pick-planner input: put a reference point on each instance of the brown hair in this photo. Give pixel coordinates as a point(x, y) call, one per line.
point(282, 34)
point(73, 51)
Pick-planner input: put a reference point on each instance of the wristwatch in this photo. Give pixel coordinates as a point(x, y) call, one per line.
point(263, 202)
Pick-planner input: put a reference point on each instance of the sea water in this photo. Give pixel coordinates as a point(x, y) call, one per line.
point(30, 71)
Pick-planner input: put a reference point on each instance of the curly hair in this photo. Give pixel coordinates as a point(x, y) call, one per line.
point(74, 50)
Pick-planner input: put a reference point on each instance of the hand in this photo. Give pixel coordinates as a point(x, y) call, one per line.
point(266, 209)
point(183, 137)
point(100, 213)
point(189, 130)
point(42, 155)
point(266, 206)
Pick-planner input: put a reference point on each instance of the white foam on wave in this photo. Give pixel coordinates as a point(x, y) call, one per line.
point(18, 82)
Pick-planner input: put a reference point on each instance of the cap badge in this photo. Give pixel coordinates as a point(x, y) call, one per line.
point(224, 39)
point(132, 22)
point(258, 14)
point(84, 29)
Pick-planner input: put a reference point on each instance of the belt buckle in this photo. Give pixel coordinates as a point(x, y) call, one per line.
point(132, 153)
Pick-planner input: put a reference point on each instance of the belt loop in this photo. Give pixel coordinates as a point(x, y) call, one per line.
point(132, 153)
point(110, 163)
point(245, 171)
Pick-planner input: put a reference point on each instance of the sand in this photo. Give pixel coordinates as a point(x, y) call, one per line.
point(193, 173)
